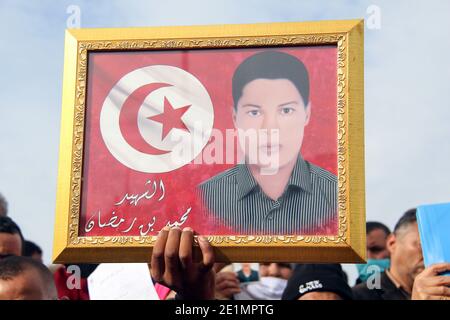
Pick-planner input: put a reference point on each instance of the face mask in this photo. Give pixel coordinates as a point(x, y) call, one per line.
point(267, 288)
point(371, 267)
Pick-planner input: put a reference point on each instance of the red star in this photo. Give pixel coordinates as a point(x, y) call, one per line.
point(170, 118)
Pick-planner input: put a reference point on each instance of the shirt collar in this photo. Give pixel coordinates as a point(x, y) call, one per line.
point(393, 280)
point(300, 177)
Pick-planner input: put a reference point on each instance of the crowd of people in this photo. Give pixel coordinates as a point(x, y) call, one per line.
point(394, 271)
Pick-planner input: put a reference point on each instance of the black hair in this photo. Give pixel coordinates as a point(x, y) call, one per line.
point(3, 206)
point(406, 219)
point(14, 266)
point(271, 65)
point(7, 225)
point(30, 248)
point(373, 225)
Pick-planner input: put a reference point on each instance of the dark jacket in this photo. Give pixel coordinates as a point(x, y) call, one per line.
point(387, 291)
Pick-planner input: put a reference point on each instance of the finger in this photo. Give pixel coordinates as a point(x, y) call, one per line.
point(222, 284)
point(430, 297)
point(171, 258)
point(185, 253)
point(207, 253)
point(157, 259)
point(220, 277)
point(231, 291)
point(226, 284)
point(437, 268)
point(231, 276)
point(443, 291)
point(438, 298)
point(441, 267)
point(439, 281)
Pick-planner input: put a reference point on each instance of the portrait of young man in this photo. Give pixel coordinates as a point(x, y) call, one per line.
point(274, 190)
point(247, 274)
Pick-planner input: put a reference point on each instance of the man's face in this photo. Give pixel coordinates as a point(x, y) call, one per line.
point(376, 245)
point(277, 270)
point(246, 268)
point(406, 251)
point(273, 104)
point(10, 244)
point(26, 286)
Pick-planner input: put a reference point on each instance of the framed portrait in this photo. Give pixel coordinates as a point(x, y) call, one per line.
point(252, 135)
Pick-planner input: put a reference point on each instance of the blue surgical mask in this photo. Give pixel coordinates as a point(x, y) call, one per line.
point(371, 267)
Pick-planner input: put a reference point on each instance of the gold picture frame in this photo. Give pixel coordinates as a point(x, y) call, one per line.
point(347, 246)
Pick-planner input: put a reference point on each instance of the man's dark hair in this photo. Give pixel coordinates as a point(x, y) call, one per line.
point(13, 267)
point(271, 65)
point(3, 206)
point(30, 248)
point(374, 225)
point(7, 225)
point(409, 217)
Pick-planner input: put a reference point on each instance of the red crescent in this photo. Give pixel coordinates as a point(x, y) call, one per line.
point(128, 119)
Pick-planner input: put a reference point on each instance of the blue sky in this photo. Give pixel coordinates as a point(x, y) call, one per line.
point(407, 73)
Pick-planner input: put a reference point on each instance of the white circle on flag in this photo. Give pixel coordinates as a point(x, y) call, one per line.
point(182, 146)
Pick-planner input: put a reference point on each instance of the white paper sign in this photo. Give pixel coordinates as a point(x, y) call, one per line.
point(121, 281)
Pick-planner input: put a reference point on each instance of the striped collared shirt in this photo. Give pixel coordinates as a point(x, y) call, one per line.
point(307, 206)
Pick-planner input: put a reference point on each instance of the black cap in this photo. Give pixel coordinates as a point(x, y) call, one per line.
point(317, 277)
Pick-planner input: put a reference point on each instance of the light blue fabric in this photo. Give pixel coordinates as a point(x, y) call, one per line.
point(434, 229)
point(371, 267)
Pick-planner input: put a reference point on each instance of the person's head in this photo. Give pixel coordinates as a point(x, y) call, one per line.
point(11, 239)
point(246, 268)
point(23, 278)
point(3, 206)
point(376, 235)
point(276, 270)
point(32, 250)
point(404, 247)
point(271, 94)
point(317, 282)
point(273, 278)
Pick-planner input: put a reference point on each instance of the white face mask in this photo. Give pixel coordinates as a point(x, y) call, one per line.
point(267, 288)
